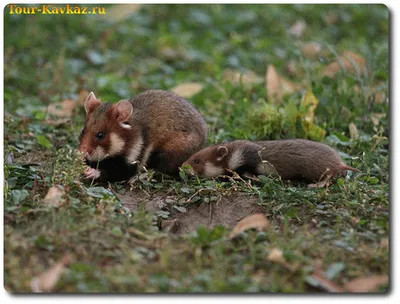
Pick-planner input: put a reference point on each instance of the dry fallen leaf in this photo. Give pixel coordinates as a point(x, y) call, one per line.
point(247, 78)
point(353, 131)
point(350, 61)
point(326, 284)
point(298, 28)
point(276, 256)
point(187, 90)
point(62, 109)
point(273, 84)
point(257, 221)
point(54, 196)
point(48, 279)
point(121, 11)
point(311, 50)
point(277, 86)
point(357, 59)
point(367, 284)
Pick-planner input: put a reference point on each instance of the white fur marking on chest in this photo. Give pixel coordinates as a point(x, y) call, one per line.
point(236, 160)
point(117, 144)
point(135, 151)
point(210, 170)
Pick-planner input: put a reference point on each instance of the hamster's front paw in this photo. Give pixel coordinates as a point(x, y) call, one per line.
point(92, 173)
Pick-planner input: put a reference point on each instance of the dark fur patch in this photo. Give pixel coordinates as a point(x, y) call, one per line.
point(114, 168)
point(249, 152)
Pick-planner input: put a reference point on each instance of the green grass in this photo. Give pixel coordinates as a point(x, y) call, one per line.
point(52, 58)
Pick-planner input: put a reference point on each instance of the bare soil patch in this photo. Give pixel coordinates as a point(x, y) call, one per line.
point(227, 211)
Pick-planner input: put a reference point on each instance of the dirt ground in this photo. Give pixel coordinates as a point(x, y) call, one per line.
point(227, 211)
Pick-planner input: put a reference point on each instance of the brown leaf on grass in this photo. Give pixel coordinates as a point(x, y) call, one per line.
point(273, 84)
point(276, 256)
point(298, 28)
point(257, 221)
point(357, 59)
point(187, 90)
point(247, 78)
point(350, 61)
point(379, 95)
point(277, 86)
point(367, 284)
point(48, 279)
point(311, 50)
point(62, 109)
point(324, 283)
point(54, 196)
point(120, 11)
point(353, 131)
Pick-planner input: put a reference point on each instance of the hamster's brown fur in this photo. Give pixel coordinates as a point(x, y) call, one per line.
point(156, 129)
point(291, 159)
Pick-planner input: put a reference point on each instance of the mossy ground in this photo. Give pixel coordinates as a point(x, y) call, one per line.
point(342, 229)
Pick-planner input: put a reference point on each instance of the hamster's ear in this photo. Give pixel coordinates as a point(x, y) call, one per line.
point(91, 103)
point(222, 151)
point(123, 110)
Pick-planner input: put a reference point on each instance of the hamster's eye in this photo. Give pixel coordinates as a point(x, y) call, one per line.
point(196, 161)
point(100, 135)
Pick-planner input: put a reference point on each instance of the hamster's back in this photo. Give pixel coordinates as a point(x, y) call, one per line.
point(300, 158)
point(166, 110)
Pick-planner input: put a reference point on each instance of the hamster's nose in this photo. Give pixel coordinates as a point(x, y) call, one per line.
point(85, 149)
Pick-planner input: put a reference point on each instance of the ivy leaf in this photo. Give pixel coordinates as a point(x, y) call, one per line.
point(43, 141)
point(19, 195)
